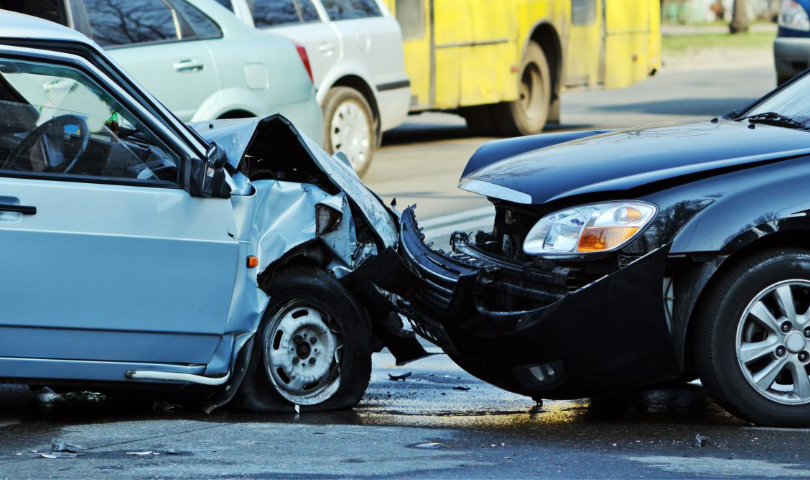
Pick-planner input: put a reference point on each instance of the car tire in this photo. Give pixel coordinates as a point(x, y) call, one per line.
point(349, 126)
point(736, 355)
point(288, 320)
point(528, 114)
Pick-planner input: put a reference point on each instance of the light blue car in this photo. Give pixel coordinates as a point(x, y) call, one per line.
point(238, 256)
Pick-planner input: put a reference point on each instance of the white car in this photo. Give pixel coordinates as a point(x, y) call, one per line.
point(358, 66)
point(196, 57)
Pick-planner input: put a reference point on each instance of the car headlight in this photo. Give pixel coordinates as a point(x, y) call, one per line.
point(793, 16)
point(599, 227)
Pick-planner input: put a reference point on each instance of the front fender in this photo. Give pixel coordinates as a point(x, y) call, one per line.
point(746, 206)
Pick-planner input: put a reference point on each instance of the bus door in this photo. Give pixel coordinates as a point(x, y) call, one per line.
point(414, 17)
point(584, 62)
point(627, 41)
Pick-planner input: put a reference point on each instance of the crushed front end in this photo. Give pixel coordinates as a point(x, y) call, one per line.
point(544, 328)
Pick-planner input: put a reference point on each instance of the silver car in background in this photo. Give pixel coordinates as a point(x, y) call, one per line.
point(195, 57)
point(355, 49)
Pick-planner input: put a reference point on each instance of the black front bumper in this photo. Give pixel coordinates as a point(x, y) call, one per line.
point(607, 336)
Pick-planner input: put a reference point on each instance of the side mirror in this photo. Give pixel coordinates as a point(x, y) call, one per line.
point(206, 178)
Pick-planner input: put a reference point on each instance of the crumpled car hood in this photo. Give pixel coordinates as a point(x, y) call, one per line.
point(236, 135)
point(627, 159)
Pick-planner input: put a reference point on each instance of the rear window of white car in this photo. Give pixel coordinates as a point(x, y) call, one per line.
point(270, 13)
point(350, 9)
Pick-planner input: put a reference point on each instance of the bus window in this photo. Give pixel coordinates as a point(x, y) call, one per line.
point(583, 12)
point(411, 18)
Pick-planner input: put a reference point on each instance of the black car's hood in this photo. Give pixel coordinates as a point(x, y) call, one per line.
point(627, 159)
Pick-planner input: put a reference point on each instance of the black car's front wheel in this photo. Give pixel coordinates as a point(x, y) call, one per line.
point(313, 348)
point(753, 339)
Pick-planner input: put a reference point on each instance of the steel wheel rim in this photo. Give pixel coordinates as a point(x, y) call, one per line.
point(530, 87)
point(289, 336)
point(350, 133)
point(772, 347)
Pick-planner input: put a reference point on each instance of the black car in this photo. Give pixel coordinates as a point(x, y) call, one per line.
point(627, 258)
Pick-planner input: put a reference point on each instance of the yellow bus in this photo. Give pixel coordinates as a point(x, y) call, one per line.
point(502, 64)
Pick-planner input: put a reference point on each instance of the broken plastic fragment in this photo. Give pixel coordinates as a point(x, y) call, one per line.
point(66, 447)
point(430, 446)
point(143, 453)
point(58, 455)
point(166, 407)
point(400, 377)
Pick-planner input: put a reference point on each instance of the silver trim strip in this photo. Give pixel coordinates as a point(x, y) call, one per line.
point(177, 377)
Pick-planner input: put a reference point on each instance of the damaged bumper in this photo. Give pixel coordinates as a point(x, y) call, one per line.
point(609, 335)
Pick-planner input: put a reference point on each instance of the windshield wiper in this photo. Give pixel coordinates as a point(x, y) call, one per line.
point(775, 119)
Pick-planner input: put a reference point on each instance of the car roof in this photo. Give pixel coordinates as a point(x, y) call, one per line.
point(17, 25)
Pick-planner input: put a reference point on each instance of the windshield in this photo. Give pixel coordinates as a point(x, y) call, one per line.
point(791, 102)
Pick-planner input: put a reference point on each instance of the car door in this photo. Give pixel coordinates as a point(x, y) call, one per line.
point(152, 40)
point(300, 21)
point(368, 38)
point(105, 258)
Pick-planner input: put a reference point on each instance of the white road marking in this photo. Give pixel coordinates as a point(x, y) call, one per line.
point(439, 229)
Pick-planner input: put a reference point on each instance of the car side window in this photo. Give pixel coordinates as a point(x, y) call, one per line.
point(201, 26)
point(53, 10)
point(411, 18)
point(349, 9)
point(583, 12)
point(126, 22)
point(270, 13)
point(57, 120)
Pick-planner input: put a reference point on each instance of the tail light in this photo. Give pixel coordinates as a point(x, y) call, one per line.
point(302, 52)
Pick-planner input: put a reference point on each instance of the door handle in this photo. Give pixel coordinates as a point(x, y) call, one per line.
point(24, 209)
point(188, 65)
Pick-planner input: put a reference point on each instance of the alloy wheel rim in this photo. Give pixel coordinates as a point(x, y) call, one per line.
point(302, 354)
point(350, 133)
point(773, 342)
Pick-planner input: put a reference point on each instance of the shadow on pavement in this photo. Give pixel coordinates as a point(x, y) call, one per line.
point(410, 133)
point(683, 106)
point(681, 406)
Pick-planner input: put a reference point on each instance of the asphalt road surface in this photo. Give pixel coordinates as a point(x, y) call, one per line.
point(439, 422)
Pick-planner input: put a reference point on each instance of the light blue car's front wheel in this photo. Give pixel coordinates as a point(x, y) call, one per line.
point(313, 348)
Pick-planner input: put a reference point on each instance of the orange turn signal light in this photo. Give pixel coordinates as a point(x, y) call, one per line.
point(252, 261)
point(596, 239)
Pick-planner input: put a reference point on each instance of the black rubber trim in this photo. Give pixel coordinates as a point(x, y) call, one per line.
point(393, 85)
point(24, 209)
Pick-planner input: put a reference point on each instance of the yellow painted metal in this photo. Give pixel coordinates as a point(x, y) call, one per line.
point(471, 50)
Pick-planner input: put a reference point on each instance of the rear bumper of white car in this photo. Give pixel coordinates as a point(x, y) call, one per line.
point(393, 101)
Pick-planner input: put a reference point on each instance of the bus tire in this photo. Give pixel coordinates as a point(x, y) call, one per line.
point(528, 114)
point(479, 121)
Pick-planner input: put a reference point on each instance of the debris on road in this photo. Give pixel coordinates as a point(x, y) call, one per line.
point(161, 406)
point(400, 377)
point(701, 441)
point(66, 447)
point(430, 446)
point(463, 388)
point(144, 453)
point(58, 455)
